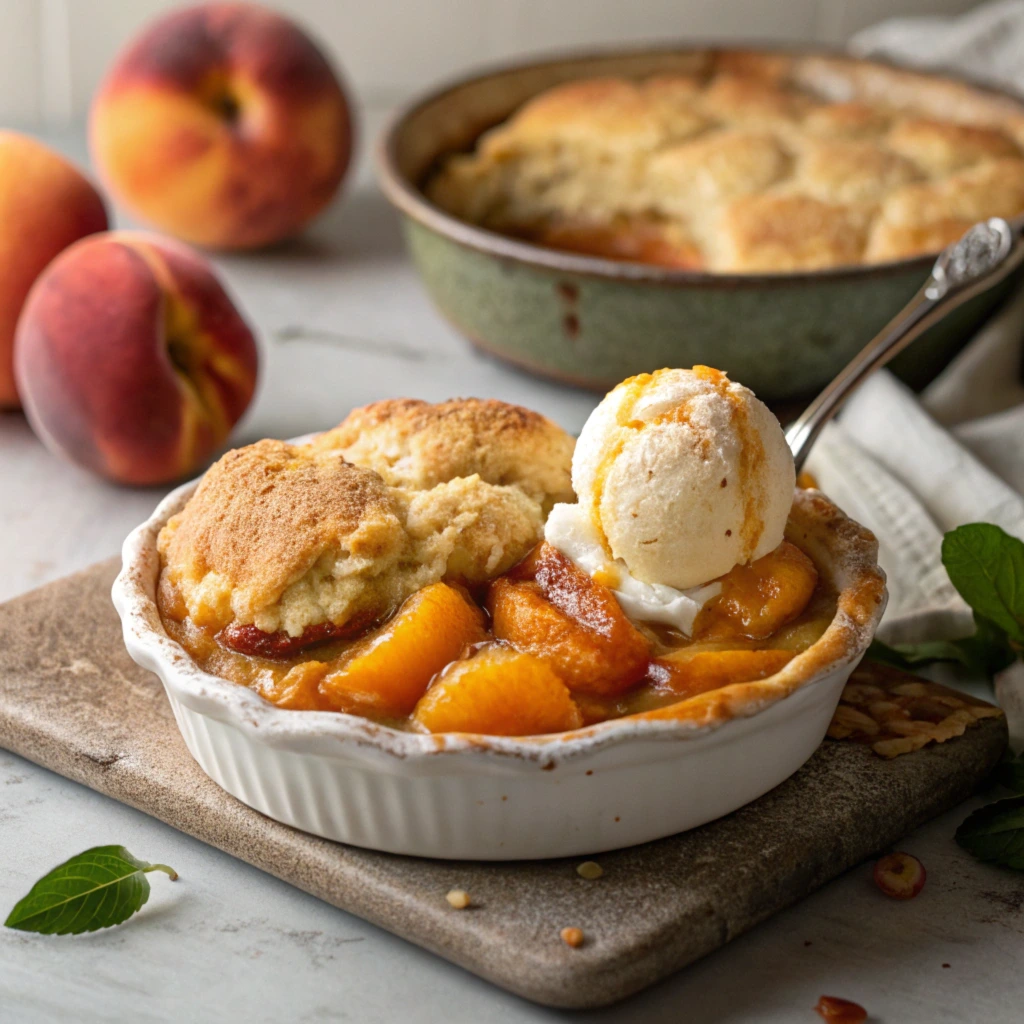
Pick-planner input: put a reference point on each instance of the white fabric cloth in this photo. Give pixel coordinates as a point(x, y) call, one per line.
point(986, 43)
point(910, 468)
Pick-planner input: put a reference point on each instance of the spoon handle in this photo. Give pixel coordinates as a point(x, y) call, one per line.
point(985, 255)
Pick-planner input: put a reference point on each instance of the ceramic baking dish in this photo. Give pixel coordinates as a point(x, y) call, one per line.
point(592, 321)
point(610, 785)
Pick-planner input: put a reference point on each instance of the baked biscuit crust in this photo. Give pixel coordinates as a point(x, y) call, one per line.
point(790, 232)
point(285, 538)
point(415, 444)
point(683, 171)
point(261, 520)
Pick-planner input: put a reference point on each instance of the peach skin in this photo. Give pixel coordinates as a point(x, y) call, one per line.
point(45, 205)
point(222, 124)
point(131, 360)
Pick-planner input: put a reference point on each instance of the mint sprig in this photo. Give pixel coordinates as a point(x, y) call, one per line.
point(1010, 773)
point(908, 656)
point(995, 833)
point(987, 652)
point(986, 565)
point(96, 889)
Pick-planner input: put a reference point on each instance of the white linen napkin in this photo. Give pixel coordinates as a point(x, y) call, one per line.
point(986, 43)
point(910, 468)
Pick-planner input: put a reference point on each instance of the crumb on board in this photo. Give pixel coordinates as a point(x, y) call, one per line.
point(840, 1011)
point(572, 937)
point(458, 899)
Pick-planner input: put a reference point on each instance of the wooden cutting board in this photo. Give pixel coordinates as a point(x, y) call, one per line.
point(73, 701)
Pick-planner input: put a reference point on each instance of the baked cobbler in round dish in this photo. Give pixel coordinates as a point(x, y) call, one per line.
point(594, 216)
point(749, 164)
point(446, 603)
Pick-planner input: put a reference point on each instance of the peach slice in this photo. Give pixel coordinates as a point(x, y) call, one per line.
point(297, 690)
point(387, 671)
point(635, 240)
point(498, 692)
point(759, 598)
point(587, 661)
point(686, 674)
point(575, 624)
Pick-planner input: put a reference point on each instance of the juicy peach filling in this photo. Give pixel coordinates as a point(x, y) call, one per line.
point(635, 240)
point(552, 609)
point(547, 649)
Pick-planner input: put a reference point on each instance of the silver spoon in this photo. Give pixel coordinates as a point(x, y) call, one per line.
point(985, 255)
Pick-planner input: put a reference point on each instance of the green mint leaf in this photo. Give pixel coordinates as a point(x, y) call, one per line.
point(989, 650)
point(908, 656)
point(995, 833)
point(95, 889)
point(1010, 773)
point(986, 565)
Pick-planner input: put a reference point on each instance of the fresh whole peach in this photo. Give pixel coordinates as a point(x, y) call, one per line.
point(45, 205)
point(224, 125)
point(131, 360)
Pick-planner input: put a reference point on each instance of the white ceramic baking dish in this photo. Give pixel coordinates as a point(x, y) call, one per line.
point(609, 785)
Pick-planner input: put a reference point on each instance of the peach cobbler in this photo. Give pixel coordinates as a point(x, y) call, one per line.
point(751, 163)
point(459, 567)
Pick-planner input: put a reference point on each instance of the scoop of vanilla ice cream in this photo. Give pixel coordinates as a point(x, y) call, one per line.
point(684, 474)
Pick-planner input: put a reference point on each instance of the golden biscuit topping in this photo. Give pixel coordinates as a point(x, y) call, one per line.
point(264, 516)
point(749, 165)
point(412, 443)
point(940, 147)
point(790, 232)
point(342, 530)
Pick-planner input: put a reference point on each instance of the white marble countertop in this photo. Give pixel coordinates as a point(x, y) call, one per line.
point(342, 320)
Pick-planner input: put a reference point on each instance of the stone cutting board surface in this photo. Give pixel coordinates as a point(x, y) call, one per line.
point(73, 701)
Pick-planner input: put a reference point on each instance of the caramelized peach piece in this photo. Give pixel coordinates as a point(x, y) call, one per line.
point(298, 689)
point(387, 671)
point(499, 692)
point(759, 598)
point(686, 675)
point(573, 623)
point(253, 641)
point(588, 661)
point(636, 241)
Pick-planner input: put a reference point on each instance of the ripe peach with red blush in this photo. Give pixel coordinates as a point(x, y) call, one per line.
point(222, 124)
point(45, 205)
point(131, 359)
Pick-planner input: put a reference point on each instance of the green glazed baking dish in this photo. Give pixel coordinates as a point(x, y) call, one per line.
point(592, 321)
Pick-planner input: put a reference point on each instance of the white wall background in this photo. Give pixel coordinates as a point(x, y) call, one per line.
point(53, 52)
